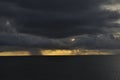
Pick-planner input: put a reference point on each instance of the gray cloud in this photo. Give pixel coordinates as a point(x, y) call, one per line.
point(61, 18)
point(6, 26)
point(108, 41)
point(25, 40)
point(9, 36)
point(83, 41)
point(57, 19)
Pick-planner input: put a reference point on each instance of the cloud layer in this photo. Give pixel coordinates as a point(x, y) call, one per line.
point(24, 40)
point(28, 22)
point(109, 41)
point(59, 18)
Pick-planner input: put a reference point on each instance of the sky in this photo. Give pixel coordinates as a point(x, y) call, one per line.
point(56, 22)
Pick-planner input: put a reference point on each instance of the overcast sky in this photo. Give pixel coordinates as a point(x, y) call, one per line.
point(61, 18)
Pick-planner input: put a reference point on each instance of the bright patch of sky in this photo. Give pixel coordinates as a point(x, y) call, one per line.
point(112, 7)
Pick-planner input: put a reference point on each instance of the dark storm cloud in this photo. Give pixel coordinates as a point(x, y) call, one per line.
point(9, 36)
point(58, 18)
point(83, 41)
point(24, 40)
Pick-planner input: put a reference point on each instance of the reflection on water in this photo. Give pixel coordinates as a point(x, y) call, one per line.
point(15, 53)
point(55, 52)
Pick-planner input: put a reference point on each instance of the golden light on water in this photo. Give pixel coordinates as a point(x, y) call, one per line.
point(74, 52)
point(15, 53)
point(56, 53)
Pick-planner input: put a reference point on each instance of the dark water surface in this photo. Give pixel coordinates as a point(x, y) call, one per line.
point(61, 68)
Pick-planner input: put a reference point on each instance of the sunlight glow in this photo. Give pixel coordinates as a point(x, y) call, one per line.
point(73, 39)
point(57, 52)
point(73, 52)
point(15, 53)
